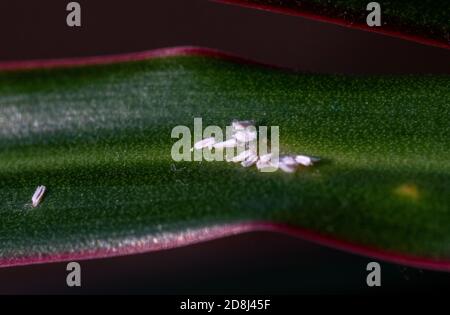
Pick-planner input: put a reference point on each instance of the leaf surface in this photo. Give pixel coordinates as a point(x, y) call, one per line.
point(99, 138)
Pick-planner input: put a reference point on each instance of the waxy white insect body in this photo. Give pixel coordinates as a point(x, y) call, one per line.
point(241, 125)
point(288, 160)
point(205, 143)
point(305, 160)
point(231, 143)
point(286, 167)
point(244, 133)
point(242, 156)
point(38, 195)
point(265, 158)
point(289, 163)
point(250, 160)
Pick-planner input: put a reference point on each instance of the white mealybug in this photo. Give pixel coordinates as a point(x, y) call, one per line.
point(205, 143)
point(288, 168)
point(287, 164)
point(265, 162)
point(305, 160)
point(252, 159)
point(242, 156)
point(231, 143)
point(245, 135)
point(38, 195)
point(241, 125)
point(288, 160)
point(266, 158)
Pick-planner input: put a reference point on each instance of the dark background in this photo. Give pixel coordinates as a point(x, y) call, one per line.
point(37, 29)
point(253, 263)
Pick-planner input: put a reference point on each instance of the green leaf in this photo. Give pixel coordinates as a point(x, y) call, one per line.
point(99, 138)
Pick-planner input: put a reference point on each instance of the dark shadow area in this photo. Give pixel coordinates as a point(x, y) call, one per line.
point(37, 29)
point(253, 263)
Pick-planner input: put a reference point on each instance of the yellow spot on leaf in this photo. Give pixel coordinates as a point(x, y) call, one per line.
point(409, 191)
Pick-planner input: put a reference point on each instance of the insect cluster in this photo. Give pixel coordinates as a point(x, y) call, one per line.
point(243, 134)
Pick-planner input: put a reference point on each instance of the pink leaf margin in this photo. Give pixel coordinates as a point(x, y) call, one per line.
point(166, 241)
point(24, 65)
point(338, 21)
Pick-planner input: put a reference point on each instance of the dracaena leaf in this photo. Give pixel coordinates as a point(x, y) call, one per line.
point(99, 139)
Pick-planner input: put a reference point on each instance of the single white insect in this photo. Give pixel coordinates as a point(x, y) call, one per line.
point(242, 156)
point(241, 125)
point(252, 159)
point(245, 135)
point(266, 162)
point(288, 168)
point(305, 160)
point(231, 143)
point(38, 195)
point(288, 160)
point(265, 158)
point(205, 143)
